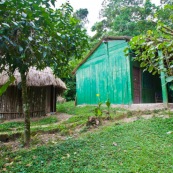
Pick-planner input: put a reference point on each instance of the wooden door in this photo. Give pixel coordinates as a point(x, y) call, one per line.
point(53, 99)
point(137, 85)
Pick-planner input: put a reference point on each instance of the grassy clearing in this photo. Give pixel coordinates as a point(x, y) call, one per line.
point(11, 126)
point(142, 146)
point(81, 113)
point(79, 118)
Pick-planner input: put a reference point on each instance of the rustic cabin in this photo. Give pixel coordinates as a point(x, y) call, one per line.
point(43, 89)
point(108, 72)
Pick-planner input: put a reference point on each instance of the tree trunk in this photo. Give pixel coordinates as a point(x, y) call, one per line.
point(26, 113)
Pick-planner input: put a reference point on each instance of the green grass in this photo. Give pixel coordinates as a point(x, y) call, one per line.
point(69, 108)
point(79, 117)
point(47, 120)
point(17, 126)
point(9, 126)
point(81, 113)
point(142, 146)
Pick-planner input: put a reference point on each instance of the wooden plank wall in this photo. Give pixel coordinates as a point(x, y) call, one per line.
point(11, 102)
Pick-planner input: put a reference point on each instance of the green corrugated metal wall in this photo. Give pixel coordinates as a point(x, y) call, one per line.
point(106, 72)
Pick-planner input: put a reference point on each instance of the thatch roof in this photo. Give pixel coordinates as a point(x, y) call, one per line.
point(35, 78)
point(104, 39)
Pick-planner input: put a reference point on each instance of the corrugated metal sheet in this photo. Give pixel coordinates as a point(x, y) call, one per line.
point(106, 72)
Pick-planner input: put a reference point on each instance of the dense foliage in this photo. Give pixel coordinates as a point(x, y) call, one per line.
point(32, 33)
point(125, 18)
point(70, 80)
point(70, 93)
point(146, 47)
point(82, 14)
point(129, 17)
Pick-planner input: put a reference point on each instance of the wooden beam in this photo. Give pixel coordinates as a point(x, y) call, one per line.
point(163, 81)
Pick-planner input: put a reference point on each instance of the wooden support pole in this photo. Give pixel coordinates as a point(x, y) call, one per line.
point(130, 78)
point(163, 81)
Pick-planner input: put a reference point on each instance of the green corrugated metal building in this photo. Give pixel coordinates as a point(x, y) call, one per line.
point(108, 72)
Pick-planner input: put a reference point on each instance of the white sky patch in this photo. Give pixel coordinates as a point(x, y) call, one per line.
point(93, 6)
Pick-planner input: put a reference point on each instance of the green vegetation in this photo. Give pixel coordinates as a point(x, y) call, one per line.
point(17, 126)
point(50, 124)
point(141, 146)
point(33, 34)
point(79, 117)
point(85, 111)
point(44, 121)
point(130, 17)
point(9, 126)
point(71, 109)
point(146, 48)
point(127, 17)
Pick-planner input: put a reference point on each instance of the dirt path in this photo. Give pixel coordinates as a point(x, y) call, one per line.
point(60, 116)
point(41, 139)
point(63, 116)
point(135, 118)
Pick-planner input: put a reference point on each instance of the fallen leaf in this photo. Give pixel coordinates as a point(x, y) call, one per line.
point(115, 144)
point(28, 165)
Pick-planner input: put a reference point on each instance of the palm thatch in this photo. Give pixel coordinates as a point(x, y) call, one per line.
point(35, 78)
point(43, 89)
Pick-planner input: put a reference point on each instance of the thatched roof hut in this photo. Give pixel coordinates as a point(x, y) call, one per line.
point(35, 78)
point(43, 88)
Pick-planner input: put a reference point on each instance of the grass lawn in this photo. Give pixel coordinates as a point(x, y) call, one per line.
point(142, 146)
point(10, 126)
point(79, 117)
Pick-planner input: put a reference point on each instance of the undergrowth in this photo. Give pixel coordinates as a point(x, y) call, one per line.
point(143, 146)
point(16, 126)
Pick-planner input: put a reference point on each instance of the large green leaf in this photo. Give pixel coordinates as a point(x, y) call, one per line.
point(169, 79)
point(155, 51)
point(6, 85)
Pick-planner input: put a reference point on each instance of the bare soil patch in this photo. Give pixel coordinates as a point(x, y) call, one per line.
point(60, 116)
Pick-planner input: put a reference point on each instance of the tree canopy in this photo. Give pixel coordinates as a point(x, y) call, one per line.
point(32, 33)
point(125, 18)
point(82, 15)
point(146, 47)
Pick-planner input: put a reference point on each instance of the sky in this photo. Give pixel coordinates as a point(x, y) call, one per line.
point(93, 6)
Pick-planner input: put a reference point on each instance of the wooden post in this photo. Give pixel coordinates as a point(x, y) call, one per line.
point(163, 81)
point(130, 78)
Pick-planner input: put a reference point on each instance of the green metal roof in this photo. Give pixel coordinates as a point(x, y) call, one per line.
point(104, 39)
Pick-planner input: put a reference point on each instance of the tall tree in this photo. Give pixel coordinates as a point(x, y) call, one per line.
point(126, 17)
point(146, 48)
point(34, 34)
point(82, 15)
point(166, 2)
